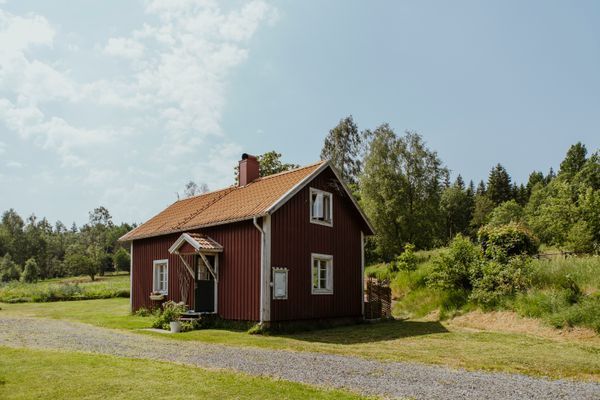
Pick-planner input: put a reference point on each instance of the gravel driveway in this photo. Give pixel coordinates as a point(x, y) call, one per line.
point(393, 380)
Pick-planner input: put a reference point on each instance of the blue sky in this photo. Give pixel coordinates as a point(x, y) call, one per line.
point(120, 103)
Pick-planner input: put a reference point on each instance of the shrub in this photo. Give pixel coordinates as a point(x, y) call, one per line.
point(571, 289)
point(30, 272)
point(501, 242)
point(9, 270)
point(499, 280)
point(580, 238)
point(143, 312)
point(505, 213)
point(171, 311)
point(456, 269)
point(407, 261)
point(585, 313)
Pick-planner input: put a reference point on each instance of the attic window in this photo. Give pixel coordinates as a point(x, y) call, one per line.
point(321, 207)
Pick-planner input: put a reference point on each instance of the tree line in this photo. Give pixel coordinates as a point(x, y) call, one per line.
point(405, 190)
point(34, 249)
point(403, 186)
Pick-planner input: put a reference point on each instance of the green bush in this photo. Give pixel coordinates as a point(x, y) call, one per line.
point(458, 268)
point(170, 312)
point(143, 312)
point(505, 213)
point(499, 280)
point(9, 270)
point(502, 242)
point(572, 290)
point(407, 261)
point(584, 313)
point(580, 238)
point(30, 271)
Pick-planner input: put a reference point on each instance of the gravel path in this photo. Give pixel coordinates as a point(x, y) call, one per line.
point(393, 380)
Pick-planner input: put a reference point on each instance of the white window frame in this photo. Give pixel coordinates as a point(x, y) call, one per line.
point(156, 264)
point(329, 276)
point(314, 191)
point(283, 271)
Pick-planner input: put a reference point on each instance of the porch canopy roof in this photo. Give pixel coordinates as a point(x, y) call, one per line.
point(195, 243)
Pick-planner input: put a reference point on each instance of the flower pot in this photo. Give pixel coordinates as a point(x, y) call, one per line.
point(157, 297)
point(175, 326)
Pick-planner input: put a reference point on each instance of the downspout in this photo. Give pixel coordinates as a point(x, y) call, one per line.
point(262, 269)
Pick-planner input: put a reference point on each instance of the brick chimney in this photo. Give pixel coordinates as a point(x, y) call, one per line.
point(249, 170)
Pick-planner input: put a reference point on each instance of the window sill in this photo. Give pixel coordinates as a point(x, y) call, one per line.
point(319, 292)
point(319, 222)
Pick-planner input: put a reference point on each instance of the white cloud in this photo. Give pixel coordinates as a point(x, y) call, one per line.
point(124, 47)
point(166, 101)
point(2, 147)
point(21, 33)
point(14, 164)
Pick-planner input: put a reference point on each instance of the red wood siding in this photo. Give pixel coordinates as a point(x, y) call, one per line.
point(294, 238)
point(239, 270)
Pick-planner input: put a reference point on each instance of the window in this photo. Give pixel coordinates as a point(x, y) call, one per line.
point(280, 283)
point(321, 207)
point(160, 281)
point(322, 274)
point(203, 272)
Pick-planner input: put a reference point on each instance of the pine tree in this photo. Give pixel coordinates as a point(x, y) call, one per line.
point(574, 160)
point(481, 190)
point(499, 188)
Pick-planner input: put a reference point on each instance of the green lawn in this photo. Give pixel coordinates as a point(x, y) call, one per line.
point(427, 342)
point(70, 288)
point(36, 374)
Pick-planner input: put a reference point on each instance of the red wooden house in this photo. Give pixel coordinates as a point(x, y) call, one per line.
point(284, 247)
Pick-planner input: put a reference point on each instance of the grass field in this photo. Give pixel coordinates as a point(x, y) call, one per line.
point(417, 341)
point(35, 374)
point(60, 289)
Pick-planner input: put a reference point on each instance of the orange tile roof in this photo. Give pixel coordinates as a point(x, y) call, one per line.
point(222, 206)
point(205, 242)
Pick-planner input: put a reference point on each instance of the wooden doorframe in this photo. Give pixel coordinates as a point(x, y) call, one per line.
point(215, 280)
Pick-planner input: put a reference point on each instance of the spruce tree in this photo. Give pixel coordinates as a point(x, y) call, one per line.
point(499, 188)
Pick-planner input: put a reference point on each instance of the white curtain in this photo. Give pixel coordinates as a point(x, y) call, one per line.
point(318, 206)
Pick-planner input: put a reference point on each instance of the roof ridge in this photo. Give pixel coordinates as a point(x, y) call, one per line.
point(205, 193)
point(289, 171)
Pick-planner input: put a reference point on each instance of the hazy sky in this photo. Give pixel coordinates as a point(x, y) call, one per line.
point(119, 103)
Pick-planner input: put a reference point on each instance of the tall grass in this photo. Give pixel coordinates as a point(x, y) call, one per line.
point(74, 288)
point(563, 293)
point(553, 298)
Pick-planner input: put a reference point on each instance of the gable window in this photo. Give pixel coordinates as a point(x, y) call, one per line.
point(160, 276)
point(280, 283)
point(322, 274)
point(321, 207)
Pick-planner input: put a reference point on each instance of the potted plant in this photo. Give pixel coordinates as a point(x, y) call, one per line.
point(157, 296)
point(171, 313)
